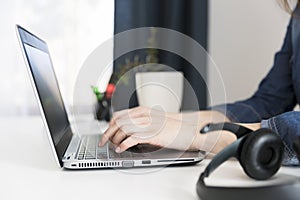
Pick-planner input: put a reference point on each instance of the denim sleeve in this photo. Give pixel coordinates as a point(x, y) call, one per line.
point(287, 125)
point(275, 94)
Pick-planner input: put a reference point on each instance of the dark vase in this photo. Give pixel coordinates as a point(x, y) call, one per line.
point(104, 110)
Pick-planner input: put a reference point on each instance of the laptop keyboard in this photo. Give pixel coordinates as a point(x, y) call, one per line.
point(89, 149)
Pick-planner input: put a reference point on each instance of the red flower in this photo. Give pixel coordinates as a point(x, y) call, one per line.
point(110, 90)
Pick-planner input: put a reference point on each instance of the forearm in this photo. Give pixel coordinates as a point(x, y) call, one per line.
point(252, 126)
point(213, 141)
point(217, 140)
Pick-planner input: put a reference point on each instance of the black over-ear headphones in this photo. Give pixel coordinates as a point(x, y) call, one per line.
point(260, 155)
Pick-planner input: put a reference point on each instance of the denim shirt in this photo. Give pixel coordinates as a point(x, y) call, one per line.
point(277, 95)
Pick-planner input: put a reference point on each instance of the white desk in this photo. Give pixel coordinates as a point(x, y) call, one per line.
point(30, 172)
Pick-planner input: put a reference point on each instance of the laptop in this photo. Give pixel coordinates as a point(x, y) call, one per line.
point(72, 151)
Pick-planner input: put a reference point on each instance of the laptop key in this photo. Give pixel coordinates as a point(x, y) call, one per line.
point(89, 158)
point(80, 158)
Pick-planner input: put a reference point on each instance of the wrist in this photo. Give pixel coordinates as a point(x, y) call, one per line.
point(213, 141)
point(252, 126)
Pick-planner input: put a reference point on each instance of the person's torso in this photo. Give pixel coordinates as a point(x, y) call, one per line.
point(296, 53)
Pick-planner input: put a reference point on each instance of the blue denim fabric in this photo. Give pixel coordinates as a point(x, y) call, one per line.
point(287, 125)
point(278, 93)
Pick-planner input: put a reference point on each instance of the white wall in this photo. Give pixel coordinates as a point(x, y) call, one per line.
point(72, 29)
point(243, 37)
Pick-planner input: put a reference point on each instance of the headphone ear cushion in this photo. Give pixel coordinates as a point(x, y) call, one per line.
point(261, 154)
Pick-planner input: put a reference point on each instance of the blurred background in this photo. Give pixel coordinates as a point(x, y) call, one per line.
point(240, 36)
point(72, 30)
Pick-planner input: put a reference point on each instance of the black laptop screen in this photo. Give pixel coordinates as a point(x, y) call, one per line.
point(48, 92)
point(46, 85)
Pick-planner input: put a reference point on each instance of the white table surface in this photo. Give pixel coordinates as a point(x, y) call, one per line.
point(28, 171)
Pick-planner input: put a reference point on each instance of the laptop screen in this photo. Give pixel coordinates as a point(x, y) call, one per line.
point(46, 85)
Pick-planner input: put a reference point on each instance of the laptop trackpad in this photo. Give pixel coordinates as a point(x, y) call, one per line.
point(144, 148)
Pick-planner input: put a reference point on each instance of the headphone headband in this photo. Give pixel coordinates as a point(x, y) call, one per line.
point(225, 154)
point(238, 130)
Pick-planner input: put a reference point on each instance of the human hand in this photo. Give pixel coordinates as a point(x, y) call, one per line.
point(171, 130)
